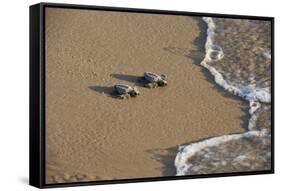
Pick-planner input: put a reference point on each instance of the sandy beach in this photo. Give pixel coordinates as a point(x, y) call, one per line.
point(91, 135)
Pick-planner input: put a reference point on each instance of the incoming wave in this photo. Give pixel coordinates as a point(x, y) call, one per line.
point(209, 156)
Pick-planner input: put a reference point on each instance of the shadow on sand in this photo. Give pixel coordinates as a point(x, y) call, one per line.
point(137, 80)
point(107, 90)
point(166, 157)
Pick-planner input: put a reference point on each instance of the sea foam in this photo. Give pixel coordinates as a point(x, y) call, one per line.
point(266, 53)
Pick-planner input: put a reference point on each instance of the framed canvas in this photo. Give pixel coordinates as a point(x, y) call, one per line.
point(130, 95)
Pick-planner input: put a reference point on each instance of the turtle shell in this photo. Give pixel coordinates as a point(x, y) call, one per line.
point(122, 88)
point(152, 77)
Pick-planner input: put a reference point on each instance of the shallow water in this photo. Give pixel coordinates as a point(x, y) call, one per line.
point(238, 55)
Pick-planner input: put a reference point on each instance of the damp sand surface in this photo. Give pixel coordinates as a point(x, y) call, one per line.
point(91, 135)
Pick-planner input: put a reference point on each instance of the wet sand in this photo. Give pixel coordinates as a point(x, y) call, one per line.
point(91, 135)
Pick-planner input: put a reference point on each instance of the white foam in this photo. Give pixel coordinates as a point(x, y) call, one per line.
point(254, 106)
point(266, 53)
point(182, 163)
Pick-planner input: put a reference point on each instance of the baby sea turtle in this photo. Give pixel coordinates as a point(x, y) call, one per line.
point(125, 91)
point(154, 80)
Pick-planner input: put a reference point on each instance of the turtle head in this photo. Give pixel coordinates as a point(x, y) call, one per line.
point(162, 82)
point(134, 92)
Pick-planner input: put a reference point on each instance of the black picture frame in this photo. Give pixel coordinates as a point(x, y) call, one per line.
point(37, 94)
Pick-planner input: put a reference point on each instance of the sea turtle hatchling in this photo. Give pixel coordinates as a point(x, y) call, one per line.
point(125, 91)
point(154, 80)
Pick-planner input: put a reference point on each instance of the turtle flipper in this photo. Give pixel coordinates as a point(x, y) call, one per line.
point(150, 85)
point(164, 77)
